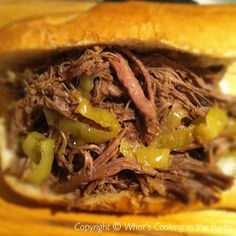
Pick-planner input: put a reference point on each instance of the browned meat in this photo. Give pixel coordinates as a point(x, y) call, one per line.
point(134, 89)
point(144, 71)
point(102, 167)
point(137, 89)
point(106, 89)
point(175, 82)
point(90, 63)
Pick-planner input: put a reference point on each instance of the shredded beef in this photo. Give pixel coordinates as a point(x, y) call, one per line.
point(139, 90)
point(102, 167)
point(128, 80)
point(144, 71)
point(43, 91)
point(90, 63)
point(122, 111)
point(106, 89)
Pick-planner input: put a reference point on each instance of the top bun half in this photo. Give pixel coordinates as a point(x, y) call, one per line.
point(208, 30)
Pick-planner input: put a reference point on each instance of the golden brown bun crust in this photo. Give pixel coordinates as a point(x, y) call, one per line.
point(194, 28)
point(124, 202)
point(15, 9)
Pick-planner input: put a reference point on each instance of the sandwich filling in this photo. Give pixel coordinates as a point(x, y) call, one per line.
point(109, 119)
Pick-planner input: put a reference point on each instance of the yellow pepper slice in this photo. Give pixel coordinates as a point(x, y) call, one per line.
point(177, 138)
point(86, 84)
point(86, 132)
point(30, 145)
point(41, 151)
point(82, 130)
point(215, 121)
point(101, 116)
point(128, 148)
point(152, 157)
point(174, 134)
point(173, 119)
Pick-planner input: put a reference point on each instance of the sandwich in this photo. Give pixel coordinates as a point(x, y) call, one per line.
point(120, 112)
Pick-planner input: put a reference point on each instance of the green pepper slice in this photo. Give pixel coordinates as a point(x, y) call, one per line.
point(41, 152)
point(151, 157)
point(86, 84)
point(86, 132)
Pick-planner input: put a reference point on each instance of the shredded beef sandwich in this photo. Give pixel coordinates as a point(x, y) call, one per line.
point(106, 120)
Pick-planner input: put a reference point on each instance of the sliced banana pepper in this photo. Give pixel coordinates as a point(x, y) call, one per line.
point(150, 157)
point(41, 152)
point(83, 130)
point(86, 84)
point(213, 124)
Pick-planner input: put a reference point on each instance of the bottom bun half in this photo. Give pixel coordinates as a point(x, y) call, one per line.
point(123, 202)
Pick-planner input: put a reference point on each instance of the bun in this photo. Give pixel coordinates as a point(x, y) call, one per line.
point(12, 10)
point(193, 28)
point(123, 202)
